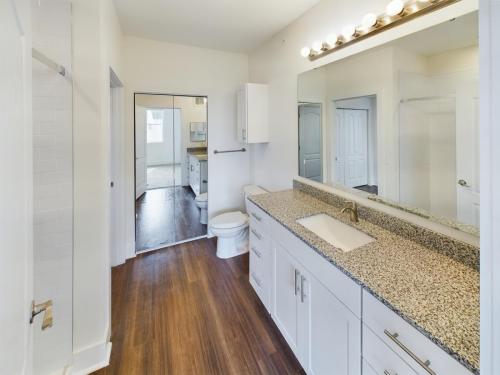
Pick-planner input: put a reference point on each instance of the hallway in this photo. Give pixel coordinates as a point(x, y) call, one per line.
point(183, 311)
point(165, 216)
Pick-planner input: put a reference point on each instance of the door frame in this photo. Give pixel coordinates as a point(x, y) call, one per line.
point(135, 93)
point(320, 105)
point(117, 223)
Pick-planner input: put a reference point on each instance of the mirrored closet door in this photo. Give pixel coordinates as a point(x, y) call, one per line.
point(171, 169)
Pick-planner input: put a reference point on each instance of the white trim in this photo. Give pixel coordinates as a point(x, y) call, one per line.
point(489, 63)
point(170, 245)
point(91, 359)
point(117, 222)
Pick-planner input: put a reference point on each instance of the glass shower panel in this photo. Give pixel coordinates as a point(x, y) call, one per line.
point(52, 183)
point(191, 165)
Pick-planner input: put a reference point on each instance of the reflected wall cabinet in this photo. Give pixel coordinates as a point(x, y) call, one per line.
point(253, 120)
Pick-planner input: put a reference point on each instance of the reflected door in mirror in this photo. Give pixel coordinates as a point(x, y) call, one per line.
point(310, 163)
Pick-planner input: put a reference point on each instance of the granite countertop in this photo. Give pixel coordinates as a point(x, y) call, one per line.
point(433, 292)
point(199, 156)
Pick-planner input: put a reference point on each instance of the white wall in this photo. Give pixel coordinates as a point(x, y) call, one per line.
point(159, 67)
point(278, 63)
point(16, 226)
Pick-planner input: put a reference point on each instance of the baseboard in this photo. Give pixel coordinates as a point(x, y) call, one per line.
point(91, 359)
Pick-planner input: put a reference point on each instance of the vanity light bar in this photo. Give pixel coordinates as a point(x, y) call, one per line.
point(396, 13)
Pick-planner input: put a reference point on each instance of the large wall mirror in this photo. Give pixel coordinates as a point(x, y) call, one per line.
point(399, 123)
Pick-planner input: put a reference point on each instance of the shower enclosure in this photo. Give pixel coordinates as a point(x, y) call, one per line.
point(52, 184)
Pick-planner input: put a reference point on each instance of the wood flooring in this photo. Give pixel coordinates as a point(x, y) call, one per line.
point(182, 310)
point(165, 216)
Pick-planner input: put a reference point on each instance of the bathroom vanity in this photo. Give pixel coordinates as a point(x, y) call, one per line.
point(405, 302)
point(198, 172)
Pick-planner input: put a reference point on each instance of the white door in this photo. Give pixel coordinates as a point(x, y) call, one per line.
point(333, 333)
point(467, 154)
point(286, 289)
point(310, 142)
point(140, 151)
point(16, 255)
point(352, 147)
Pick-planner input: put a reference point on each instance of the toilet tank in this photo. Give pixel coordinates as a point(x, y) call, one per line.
point(252, 190)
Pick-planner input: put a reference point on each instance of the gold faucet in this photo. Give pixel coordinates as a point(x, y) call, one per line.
point(353, 211)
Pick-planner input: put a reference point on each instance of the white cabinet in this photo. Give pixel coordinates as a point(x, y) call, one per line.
point(287, 279)
point(323, 333)
point(198, 175)
point(318, 310)
point(405, 341)
point(252, 108)
point(260, 258)
point(334, 334)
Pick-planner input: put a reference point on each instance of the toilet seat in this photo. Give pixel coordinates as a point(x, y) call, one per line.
point(229, 220)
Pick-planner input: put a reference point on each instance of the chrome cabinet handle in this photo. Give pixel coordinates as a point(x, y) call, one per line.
point(256, 252)
point(296, 281)
point(302, 289)
point(256, 234)
point(257, 217)
point(256, 280)
point(463, 183)
point(388, 373)
point(424, 364)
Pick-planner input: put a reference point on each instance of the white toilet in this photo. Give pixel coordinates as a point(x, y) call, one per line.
point(231, 228)
point(201, 201)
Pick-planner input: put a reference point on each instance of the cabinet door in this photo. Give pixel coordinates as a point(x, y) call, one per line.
point(286, 279)
point(333, 331)
point(242, 115)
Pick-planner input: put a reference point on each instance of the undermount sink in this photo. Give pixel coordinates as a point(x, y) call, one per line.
point(335, 232)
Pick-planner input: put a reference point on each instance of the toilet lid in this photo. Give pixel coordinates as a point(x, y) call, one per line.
point(202, 197)
point(229, 220)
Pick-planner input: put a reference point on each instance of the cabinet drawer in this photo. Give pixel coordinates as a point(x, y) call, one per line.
point(260, 267)
point(261, 285)
point(412, 346)
point(258, 237)
point(381, 359)
point(257, 215)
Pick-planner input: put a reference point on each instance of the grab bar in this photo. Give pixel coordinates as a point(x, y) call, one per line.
point(227, 151)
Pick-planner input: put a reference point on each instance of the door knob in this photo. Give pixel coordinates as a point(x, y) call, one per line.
point(463, 183)
point(46, 308)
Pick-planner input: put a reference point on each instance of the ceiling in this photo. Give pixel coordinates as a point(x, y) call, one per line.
point(229, 25)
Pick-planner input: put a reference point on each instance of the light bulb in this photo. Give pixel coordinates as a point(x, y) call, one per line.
point(317, 46)
point(348, 31)
point(332, 39)
point(306, 51)
point(394, 8)
point(369, 21)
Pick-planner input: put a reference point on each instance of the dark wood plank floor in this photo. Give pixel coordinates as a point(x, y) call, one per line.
point(165, 216)
point(182, 310)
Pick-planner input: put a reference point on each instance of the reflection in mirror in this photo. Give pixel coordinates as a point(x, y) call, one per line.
point(399, 123)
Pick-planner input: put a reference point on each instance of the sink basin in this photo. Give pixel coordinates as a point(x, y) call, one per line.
point(335, 232)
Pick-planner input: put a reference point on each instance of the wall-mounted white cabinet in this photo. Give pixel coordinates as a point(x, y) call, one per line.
point(253, 119)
